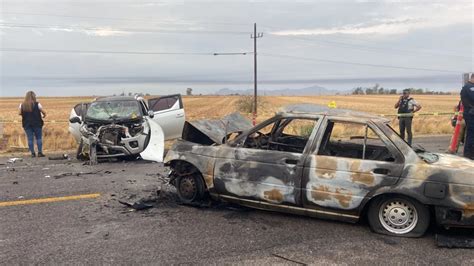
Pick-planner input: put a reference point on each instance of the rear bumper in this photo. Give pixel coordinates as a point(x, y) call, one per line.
point(451, 217)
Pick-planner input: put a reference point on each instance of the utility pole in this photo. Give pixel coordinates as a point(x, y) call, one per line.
point(255, 36)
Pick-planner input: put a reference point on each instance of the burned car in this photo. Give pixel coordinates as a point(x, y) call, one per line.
point(122, 126)
point(326, 163)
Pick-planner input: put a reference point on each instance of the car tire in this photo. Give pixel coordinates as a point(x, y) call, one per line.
point(398, 216)
point(190, 188)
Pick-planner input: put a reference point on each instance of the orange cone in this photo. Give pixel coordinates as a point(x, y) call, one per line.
point(453, 148)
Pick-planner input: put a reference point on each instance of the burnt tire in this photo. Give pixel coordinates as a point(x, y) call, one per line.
point(398, 216)
point(190, 188)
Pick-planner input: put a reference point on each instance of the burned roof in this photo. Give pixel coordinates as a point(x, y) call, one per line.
point(315, 109)
point(115, 98)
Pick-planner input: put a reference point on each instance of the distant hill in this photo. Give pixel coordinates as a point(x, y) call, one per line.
point(308, 91)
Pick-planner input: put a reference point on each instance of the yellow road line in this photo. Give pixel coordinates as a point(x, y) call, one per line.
point(46, 200)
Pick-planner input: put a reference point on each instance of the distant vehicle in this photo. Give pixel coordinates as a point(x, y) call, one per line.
point(123, 126)
point(327, 163)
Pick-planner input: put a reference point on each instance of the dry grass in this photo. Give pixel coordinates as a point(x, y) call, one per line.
point(56, 136)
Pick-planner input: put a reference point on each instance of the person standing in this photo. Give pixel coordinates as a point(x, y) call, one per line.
point(407, 106)
point(467, 98)
point(32, 114)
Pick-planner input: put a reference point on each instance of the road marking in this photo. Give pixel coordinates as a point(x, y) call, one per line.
point(46, 200)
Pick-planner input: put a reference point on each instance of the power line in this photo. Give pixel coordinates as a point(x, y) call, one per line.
point(356, 63)
point(124, 30)
point(29, 50)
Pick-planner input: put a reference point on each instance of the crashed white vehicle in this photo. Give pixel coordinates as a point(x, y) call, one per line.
point(121, 126)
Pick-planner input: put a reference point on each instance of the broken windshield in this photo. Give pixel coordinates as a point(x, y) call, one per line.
point(113, 110)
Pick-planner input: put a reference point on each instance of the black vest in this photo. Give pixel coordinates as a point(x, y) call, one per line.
point(33, 118)
point(403, 108)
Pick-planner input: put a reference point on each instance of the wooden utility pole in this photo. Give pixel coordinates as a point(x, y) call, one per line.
point(255, 36)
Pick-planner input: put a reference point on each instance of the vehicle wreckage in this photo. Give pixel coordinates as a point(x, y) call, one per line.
point(327, 163)
point(126, 126)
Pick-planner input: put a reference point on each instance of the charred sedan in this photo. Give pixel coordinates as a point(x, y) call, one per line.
point(126, 126)
point(333, 164)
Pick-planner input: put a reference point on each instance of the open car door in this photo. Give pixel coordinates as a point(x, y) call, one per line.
point(79, 110)
point(169, 114)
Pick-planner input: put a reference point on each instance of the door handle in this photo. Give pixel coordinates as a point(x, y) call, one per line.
point(381, 171)
point(291, 161)
point(179, 115)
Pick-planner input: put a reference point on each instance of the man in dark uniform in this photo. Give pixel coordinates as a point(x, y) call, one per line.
point(467, 98)
point(407, 106)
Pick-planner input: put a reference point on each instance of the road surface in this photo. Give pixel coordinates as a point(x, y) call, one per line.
point(81, 221)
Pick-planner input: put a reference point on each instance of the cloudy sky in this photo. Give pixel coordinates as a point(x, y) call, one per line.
point(84, 47)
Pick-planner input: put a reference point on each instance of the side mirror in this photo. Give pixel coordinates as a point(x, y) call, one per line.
point(151, 114)
point(75, 119)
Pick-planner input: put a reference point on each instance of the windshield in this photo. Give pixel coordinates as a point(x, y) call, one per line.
point(113, 110)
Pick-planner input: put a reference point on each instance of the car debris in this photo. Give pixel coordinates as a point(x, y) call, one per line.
point(14, 160)
point(138, 205)
point(126, 127)
point(326, 163)
point(64, 156)
point(61, 175)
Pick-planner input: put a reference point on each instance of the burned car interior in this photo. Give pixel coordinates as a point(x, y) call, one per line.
point(288, 135)
point(353, 140)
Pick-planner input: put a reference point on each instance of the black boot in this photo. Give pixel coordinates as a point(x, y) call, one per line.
point(33, 155)
point(40, 154)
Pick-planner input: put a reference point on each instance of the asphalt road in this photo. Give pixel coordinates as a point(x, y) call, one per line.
point(100, 230)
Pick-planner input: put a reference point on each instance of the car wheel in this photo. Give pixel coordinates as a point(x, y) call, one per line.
point(190, 188)
point(398, 216)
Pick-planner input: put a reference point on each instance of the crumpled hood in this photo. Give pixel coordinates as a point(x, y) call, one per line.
point(208, 131)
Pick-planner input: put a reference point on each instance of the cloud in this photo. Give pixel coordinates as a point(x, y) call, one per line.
point(401, 19)
point(386, 27)
point(100, 31)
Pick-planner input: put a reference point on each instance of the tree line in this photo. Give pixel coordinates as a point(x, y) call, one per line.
point(378, 90)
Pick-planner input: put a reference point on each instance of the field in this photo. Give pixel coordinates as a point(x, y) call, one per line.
point(57, 138)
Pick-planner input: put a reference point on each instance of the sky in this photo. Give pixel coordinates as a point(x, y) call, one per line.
point(103, 47)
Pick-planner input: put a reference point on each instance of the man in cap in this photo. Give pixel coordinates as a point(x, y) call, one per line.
point(407, 106)
point(467, 98)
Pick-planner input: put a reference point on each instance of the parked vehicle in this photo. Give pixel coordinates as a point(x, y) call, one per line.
point(327, 163)
point(122, 126)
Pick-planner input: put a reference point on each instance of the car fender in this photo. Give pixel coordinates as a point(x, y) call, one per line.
point(156, 146)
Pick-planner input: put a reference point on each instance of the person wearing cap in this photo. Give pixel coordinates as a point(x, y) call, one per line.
point(407, 106)
point(467, 98)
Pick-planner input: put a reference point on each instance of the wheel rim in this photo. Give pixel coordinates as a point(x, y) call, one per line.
point(188, 187)
point(398, 216)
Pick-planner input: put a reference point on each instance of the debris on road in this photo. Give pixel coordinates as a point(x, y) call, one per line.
point(59, 157)
point(76, 174)
point(138, 205)
point(14, 160)
point(455, 241)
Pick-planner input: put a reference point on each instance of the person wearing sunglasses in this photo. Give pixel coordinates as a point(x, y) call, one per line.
point(406, 106)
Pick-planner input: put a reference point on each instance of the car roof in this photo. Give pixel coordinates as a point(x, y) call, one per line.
point(313, 109)
point(115, 98)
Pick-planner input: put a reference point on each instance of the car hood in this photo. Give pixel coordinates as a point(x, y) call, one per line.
point(208, 131)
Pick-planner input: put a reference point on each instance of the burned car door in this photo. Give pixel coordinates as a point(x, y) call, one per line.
point(352, 160)
point(266, 165)
point(169, 114)
point(79, 110)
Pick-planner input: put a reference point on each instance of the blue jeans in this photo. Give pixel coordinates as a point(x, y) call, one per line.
point(469, 144)
point(32, 133)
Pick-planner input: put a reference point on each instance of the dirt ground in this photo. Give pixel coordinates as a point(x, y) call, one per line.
point(97, 229)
